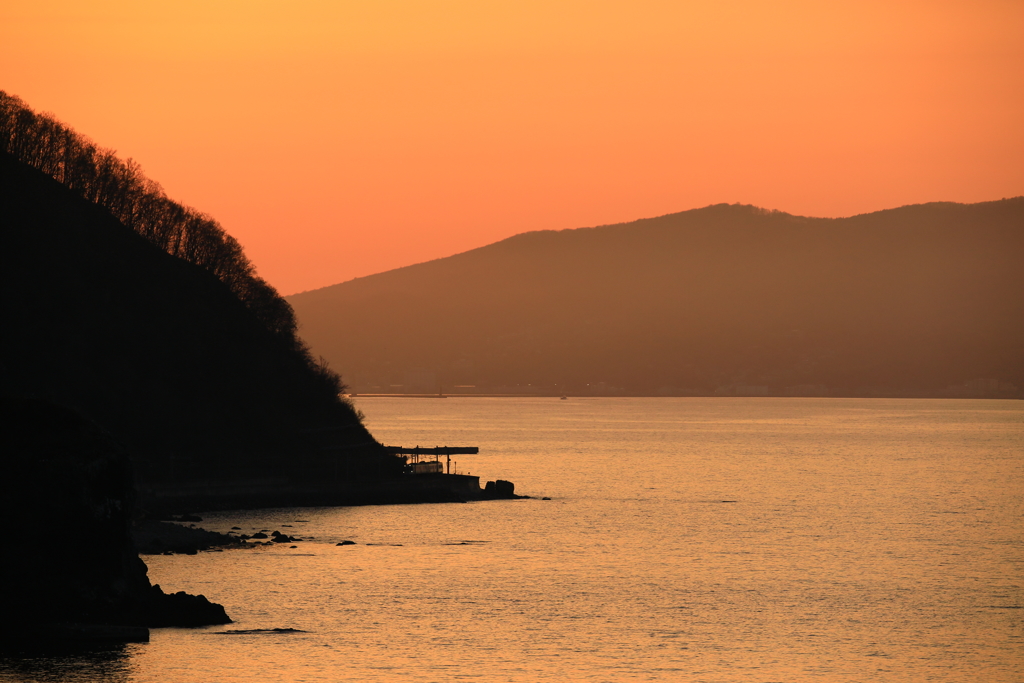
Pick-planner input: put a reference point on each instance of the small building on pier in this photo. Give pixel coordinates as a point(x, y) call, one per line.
point(428, 460)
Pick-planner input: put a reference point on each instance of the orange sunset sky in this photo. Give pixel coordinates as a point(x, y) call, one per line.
point(337, 139)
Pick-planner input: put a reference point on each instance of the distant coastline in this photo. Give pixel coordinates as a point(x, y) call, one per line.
point(1011, 393)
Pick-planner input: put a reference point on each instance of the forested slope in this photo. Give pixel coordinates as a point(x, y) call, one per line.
point(729, 299)
point(182, 354)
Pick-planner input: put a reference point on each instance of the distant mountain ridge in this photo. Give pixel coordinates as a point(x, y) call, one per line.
point(730, 299)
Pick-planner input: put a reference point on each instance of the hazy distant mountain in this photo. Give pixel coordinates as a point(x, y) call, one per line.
point(920, 300)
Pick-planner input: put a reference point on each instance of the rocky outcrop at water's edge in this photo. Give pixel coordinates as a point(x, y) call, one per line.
point(74, 573)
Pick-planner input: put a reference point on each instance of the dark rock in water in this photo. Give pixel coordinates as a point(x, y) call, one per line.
point(62, 473)
point(545, 498)
point(347, 543)
point(499, 489)
point(276, 533)
point(159, 609)
point(282, 538)
point(236, 528)
point(259, 534)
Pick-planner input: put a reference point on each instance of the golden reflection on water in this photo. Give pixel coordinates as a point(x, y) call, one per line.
point(686, 539)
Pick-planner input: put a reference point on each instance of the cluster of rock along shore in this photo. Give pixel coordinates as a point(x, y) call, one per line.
point(65, 473)
point(169, 537)
point(70, 475)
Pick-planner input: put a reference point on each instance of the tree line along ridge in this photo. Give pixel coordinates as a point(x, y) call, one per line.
point(139, 203)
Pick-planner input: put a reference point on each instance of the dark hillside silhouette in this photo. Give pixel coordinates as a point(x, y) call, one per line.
point(156, 349)
point(923, 300)
point(140, 204)
point(192, 362)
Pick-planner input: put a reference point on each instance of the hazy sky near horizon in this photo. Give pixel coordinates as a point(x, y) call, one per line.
point(337, 139)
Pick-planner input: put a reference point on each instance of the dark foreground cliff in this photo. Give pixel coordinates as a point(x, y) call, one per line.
point(72, 572)
point(214, 409)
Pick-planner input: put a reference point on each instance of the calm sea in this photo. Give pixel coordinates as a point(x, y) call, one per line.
point(685, 540)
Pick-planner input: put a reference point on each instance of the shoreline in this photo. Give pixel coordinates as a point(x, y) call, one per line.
point(839, 395)
point(256, 494)
point(169, 537)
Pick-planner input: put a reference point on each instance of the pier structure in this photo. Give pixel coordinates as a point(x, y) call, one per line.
point(426, 465)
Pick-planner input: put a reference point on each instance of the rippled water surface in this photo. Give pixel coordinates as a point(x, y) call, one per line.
point(685, 540)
